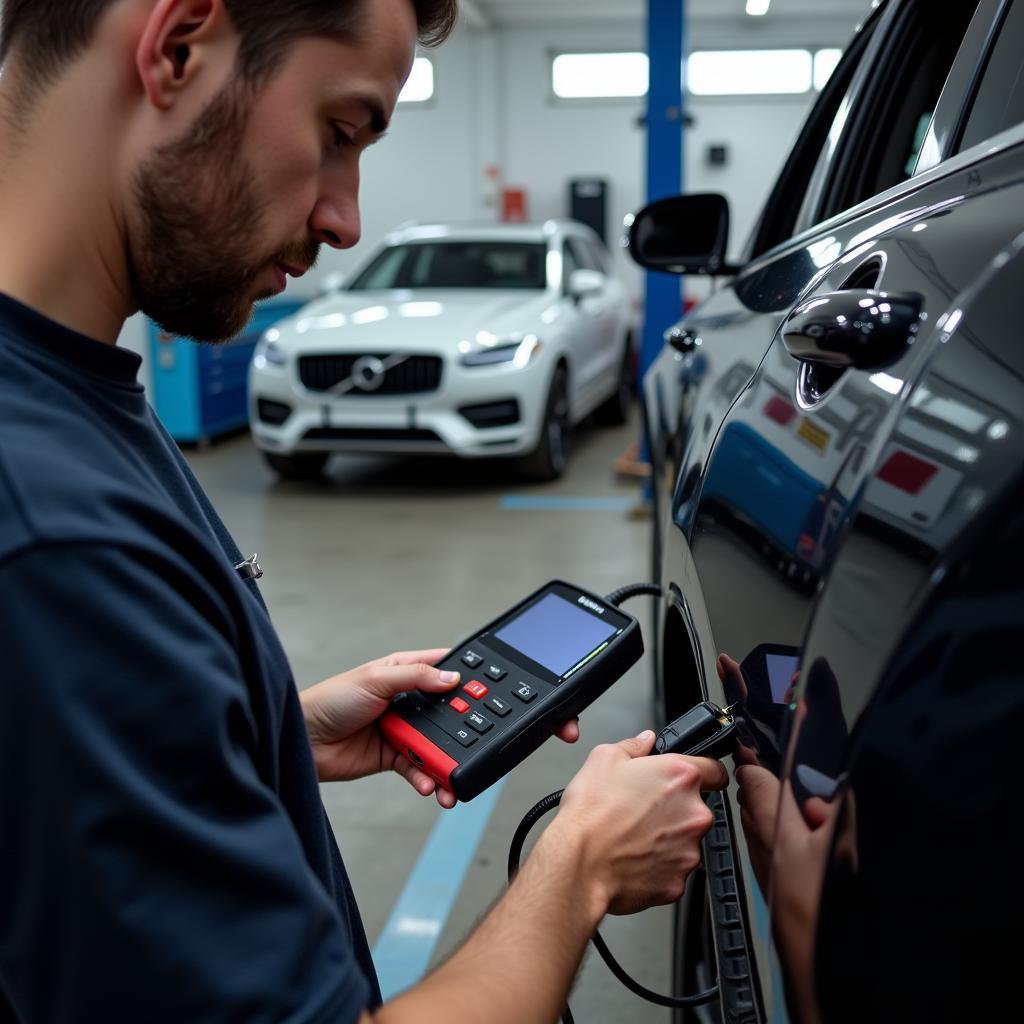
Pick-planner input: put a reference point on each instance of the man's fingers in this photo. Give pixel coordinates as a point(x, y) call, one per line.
point(638, 746)
point(713, 774)
point(569, 732)
point(423, 783)
point(420, 781)
point(388, 680)
point(427, 657)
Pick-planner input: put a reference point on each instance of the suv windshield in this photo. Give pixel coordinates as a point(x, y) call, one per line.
point(456, 265)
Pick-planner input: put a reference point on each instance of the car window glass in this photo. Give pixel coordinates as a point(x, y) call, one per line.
point(805, 169)
point(890, 126)
point(569, 264)
point(597, 255)
point(999, 103)
point(417, 267)
point(384, 270)
point(470, 264)
point(581, 254)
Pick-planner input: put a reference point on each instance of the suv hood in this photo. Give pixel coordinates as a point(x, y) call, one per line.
point(421, 320)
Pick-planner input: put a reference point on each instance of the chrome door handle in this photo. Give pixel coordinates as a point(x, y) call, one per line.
point(858, 327)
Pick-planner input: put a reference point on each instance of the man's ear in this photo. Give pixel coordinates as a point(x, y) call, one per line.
point(174, 46)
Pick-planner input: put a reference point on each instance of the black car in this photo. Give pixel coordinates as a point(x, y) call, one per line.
point(837, 437)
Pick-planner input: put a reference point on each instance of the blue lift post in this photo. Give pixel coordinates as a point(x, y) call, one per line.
point(665, 121)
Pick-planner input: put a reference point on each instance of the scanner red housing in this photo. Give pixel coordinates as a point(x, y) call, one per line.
point(426, 755)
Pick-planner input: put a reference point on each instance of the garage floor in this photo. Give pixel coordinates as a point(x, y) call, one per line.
point(397, 554)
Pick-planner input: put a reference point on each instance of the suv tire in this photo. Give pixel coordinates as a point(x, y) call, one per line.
point(614, 411)
point(548, 460)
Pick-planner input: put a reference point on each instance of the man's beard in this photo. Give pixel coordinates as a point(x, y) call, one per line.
point(193, 263)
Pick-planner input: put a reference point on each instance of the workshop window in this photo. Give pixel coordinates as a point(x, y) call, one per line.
point(825, 62)
point(577, 76)
point(749, 72)
point(419, 87)
point(581, 76)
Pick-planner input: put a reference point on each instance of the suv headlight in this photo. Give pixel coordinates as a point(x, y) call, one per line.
point(518, 350)
point(267, 353)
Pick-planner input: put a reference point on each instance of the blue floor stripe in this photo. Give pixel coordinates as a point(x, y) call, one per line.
point(517, 502)
point(407, 942)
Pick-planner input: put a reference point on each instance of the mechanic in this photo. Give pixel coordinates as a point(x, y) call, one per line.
point(165, 854)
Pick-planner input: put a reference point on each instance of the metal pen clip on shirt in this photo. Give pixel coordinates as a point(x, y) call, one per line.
point(250, 569)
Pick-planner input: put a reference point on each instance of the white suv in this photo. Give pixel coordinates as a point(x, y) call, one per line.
point(484, 340)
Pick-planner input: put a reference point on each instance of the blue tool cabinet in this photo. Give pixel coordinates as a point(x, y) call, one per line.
point(199, 391)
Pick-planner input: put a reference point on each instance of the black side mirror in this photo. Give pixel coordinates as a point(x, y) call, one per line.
point(685, 234)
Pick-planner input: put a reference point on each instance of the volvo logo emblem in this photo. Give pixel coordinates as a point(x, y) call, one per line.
point(368, 373)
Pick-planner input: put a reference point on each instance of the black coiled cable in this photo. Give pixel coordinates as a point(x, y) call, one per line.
point(532, 816)
point(552, 800)
point(616, 597)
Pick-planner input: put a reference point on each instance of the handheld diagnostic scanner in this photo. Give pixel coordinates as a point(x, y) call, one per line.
point(523, 675)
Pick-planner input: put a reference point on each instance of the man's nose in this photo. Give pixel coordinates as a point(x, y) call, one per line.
point(335, 221)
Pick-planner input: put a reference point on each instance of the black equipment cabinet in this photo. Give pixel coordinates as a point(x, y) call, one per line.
point(588, 203)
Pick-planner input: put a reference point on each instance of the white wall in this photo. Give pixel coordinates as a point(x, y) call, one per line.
point(547, 142)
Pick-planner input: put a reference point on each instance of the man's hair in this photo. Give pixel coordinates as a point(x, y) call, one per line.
point(46, 35)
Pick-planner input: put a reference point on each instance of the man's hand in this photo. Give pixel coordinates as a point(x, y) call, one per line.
point(341, 715)
point(639, 821)
point(626, 836)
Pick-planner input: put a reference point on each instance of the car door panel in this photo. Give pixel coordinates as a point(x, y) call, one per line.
point(765, 489)
point(925, 669)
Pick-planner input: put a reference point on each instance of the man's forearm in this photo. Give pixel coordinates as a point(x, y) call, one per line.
point(518, 966)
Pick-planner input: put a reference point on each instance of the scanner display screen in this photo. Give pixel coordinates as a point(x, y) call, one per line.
point(555, 633)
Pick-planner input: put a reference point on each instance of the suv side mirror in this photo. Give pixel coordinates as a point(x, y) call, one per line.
point(584, 282)
point(685, 234)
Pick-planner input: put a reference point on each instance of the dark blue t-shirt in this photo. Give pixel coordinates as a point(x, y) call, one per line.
point(164, 853)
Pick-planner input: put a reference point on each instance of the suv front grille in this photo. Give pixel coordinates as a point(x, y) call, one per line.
point(414, 375)
point(370, 434)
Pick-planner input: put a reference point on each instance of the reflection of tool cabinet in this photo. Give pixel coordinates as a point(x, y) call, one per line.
point(199, 391)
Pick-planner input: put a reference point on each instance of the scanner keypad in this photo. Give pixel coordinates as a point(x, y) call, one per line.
point(457, 714)
point(478, 722)
point(464, 736)
point(500, 707)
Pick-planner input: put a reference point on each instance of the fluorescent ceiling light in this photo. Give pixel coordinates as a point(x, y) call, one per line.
point(756, 8)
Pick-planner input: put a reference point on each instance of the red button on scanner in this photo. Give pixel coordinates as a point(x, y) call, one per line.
point(458, 704)
point(475, 689)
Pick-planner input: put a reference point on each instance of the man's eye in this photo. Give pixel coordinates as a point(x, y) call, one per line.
point(341, 138)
